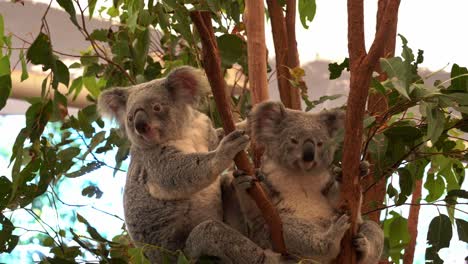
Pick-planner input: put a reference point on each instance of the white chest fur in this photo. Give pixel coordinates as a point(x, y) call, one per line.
point(301, 193)
point(195, 137)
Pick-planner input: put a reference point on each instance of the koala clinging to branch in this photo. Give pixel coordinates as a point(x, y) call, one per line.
point(172, 184)
point(299, 149)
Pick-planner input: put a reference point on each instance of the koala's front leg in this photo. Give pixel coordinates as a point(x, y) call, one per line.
point(173, 174)
point(253, 218)
point(213, 238)
point(242, 125)
point(363, 170)
point(311, 240)
point(369, 242)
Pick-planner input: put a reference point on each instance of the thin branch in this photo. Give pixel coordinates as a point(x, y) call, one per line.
point(414, 204)
point(356, 41)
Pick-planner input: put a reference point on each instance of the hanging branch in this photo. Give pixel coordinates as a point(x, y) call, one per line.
point(212, 65)
point(377, 106)
point(361, 68)
point(280, 40)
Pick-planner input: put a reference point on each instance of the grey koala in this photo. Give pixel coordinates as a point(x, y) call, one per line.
point(299, 149)
point(173, 182)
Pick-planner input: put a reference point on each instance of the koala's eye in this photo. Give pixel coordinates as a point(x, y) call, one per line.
point(319, 144)
point(157, 107)
point(130, 118)
point(294, 141)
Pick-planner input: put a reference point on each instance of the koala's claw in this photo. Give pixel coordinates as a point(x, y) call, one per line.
point(233, 143)
point(340, 226)
point(364, 168)
point(361, 243)
point(242, 180)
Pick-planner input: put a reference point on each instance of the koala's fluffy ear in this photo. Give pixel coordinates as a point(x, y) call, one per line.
point(187, 84)
point(264, 119)
point(333, 120)
point(112, 102)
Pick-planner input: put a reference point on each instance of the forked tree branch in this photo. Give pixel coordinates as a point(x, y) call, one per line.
point(212, 64)
point(377, 105)
point(362, 66)
point(288, 94)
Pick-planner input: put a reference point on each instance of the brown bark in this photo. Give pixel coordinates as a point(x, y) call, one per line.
point(413, 223)
point(212, 65)
point(293, 54)
point(377, 105)
point(289, 95)
point(361, 67)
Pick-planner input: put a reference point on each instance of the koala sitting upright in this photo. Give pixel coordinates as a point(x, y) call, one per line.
point(172, 184)
point(299, 149)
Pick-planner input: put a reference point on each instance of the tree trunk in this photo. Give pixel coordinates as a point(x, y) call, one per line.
point(212, 65)
point(413, 223)
point(361, 68)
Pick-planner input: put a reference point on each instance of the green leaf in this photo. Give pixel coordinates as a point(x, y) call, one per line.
point(406, 52)
point(94, 165)
point(68, 153)
point(137, 256)
point(40, 51)
point(406, 133)
point(99, 34)
point(2, 32)
point(435, 122)
point(97, 139)
point(336, 69)
point(462, 229)
point(5, 192)
point(70, 9)
point(181, 259)
point(8, 241)
point(232, 50)
point(91, 85)
point(458, 193)
point(76, 87)
point(91, 191)
point(459, 79)
point(377, 85)
point(439, 232)
point(48, 242)
point(435, 186)
point(24, 68)
point(61, 75)
point(91, 230)
point(113, 12)
point(5, 81)
point(307, 9)
point(91, 7)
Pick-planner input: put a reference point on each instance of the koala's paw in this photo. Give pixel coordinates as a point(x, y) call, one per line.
point(364, 168)
point(340, 226)
point(242, 180)
point(233, 143)
point(361, 243)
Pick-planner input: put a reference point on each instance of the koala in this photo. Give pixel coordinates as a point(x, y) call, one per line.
point(173, 182)
point(298, 152)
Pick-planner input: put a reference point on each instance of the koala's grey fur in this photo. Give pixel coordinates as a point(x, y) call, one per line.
point(173, 182)
point(299, 149)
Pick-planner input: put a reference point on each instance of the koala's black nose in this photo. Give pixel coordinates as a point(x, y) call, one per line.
point(308, 151)
point(141, 122)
